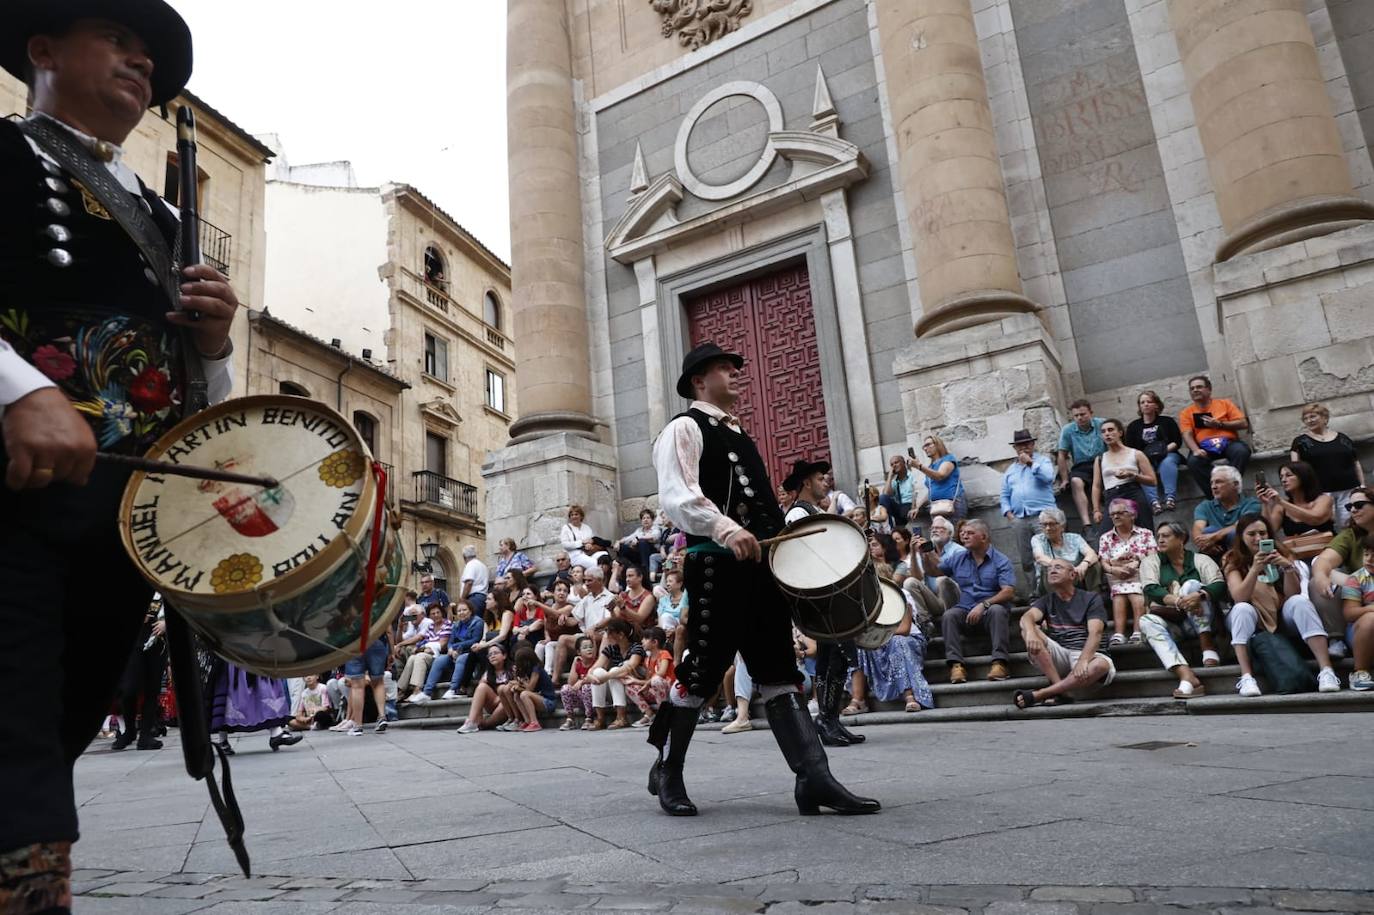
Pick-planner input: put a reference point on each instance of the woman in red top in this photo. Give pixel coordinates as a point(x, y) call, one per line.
point(529, 617)
point(635, 605)
point(647, 692)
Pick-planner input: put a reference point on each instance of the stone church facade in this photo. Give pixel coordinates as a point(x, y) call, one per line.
point(944, 217)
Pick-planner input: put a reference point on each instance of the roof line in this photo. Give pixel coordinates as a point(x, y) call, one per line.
point(264, 315)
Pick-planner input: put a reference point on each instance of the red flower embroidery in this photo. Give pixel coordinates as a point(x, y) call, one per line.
point(54, 363)
point(150, 391)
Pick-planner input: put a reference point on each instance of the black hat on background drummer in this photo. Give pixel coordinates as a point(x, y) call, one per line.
point(163, 32)
point(802, 470)
point(698, 360)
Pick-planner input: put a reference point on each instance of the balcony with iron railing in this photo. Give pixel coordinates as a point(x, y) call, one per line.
point(416, 287)
point(438, 490)
point(216, 246)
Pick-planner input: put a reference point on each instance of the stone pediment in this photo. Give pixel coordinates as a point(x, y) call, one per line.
point(441, 411)
point(820, 163)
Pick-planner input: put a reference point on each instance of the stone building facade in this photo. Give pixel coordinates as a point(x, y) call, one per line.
point(233, 179)
point(400, 291)
point(949, 217)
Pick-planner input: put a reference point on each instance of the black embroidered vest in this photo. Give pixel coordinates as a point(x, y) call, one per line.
point(733, 476)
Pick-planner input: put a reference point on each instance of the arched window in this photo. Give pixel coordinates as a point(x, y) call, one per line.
point(294, 390)
point(491, 310)
point(436, 271)
point(440, 572)
point(367, 430)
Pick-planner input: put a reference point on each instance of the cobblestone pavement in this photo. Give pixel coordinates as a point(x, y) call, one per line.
point(1253, 813)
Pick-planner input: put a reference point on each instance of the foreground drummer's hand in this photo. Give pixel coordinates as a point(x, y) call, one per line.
point(47, 441)
point(206, 291)
point(745, 546)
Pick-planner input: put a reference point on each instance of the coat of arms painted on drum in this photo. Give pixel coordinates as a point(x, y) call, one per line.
point(278, 569)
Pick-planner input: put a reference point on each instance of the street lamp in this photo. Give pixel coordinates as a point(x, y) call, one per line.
point(428, 549)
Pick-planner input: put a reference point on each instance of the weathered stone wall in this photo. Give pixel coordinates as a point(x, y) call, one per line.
point(1351, 25)
point(1299, 321)
point(1117, 242)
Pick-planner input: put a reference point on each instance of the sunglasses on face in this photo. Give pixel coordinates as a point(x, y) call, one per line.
point(1356, 506)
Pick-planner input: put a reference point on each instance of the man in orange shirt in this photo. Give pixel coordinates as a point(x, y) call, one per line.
point(1211, 429)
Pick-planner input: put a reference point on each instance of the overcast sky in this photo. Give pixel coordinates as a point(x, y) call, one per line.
point(411, 91)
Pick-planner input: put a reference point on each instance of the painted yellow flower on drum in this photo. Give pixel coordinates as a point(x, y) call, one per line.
point(342, 469)
point(238, 572)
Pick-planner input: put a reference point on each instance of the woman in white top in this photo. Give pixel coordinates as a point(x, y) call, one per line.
point(1119, 472)
point(576, 538)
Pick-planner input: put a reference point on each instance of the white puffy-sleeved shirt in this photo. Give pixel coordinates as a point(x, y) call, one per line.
point(677, 460)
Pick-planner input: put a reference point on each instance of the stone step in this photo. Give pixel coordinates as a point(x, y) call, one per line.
point(1126, 657)
point(1229, 704)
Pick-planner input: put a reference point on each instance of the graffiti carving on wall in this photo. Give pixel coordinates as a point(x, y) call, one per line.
point(700, 22)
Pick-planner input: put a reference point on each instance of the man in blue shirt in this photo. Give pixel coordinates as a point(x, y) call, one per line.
point(899, 492)
point(430, 595)
point(1079, 443)
point(1027, 490)
point(987, 584)
point(1214, 520)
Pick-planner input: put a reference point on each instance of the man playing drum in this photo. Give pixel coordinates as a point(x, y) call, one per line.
point(714, 486)
point(833, 659)
point(89, 351)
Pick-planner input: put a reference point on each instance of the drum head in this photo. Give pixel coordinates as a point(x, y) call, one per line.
point(894, 605)
point(822, 559)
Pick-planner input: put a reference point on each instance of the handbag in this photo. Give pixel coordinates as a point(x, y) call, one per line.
point(1307, 546)
point(947, 506)
point(1280, 664)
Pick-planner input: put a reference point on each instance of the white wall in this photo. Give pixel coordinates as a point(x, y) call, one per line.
point(324, 248)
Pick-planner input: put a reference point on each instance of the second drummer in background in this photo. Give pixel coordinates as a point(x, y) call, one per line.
point(809, 483)
point(86, 358)
point(714, 486)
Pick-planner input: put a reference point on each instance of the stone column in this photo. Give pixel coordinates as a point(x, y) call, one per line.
point(1272, 145)
point(549, 315)
point(950, 173)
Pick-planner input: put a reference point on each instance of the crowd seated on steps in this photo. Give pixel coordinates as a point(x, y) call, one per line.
point(1292, 557)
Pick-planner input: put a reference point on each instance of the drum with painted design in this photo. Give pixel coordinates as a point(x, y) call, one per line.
point(271, 579)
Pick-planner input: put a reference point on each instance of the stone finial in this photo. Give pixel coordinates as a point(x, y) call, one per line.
point(823, 116)
point(639, 177)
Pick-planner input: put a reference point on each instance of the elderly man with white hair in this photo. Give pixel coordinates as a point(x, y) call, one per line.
point(593, 612)
point(1214, 520)
point(476, 581)
point(987, 584)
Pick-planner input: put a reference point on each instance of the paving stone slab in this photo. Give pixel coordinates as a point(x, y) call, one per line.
point(556, 901)
point(451, 886)
point(248, 894)
point(975, 894)
point(1318, 901)
point(1032, 908)
point(184, 891)
point(467, 901)
point(809, 892)
point(392, 894)
point(1082, 894)
point(631, 904)
point(1201, 895)
point(314, 894)
point(520, 887)
point(92, 873)
point(711, 905)
point(885, 891)
point(309, 883)
point(188, 879)
point(128, 889)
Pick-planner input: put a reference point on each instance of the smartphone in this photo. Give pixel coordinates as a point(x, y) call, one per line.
point(911, 452)
point(1266, 546)
point(1261, 481)
point(916, 531)
point(927, 547)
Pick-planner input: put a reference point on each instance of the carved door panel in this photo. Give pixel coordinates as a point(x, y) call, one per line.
point(770, 322)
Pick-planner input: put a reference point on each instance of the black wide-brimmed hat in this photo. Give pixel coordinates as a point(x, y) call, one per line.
point(162, 29)
point(801, 469)
point(697, 359)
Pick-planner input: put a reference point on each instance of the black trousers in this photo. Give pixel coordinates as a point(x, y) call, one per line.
point(71, 605)
point(142, 680)
point(733, 607)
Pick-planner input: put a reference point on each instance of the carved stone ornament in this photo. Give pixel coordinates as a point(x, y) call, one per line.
point(700, 22)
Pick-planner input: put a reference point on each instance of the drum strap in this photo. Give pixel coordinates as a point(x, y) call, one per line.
point(195, 734)
point(370, 587)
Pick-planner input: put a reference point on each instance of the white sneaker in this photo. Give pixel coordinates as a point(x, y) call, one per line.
point(1327, 681)
point(1247, 686)
point(468, 727)
point(507, 726)
point(343, 727)
point(450, 694)
point(1361, 681)
point(355, 731)
point(418, 699)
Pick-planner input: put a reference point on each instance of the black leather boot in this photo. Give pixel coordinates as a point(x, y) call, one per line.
point(800, 745)
point(673, 725)
point(828, 699)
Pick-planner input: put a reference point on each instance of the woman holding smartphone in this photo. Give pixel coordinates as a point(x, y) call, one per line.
point(1266, 584)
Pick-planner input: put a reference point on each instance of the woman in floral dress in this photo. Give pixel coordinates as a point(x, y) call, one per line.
point(1122, 548)
point(895, 670)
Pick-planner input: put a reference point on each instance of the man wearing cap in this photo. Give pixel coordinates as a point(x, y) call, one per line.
point(809, 481)
point(97, 349)
point(1027, 490)
point(713, 484)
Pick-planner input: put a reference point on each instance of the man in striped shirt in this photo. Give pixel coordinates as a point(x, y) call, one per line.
point(1068, 655)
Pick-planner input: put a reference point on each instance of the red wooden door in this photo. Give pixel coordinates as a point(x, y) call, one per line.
point(769, 321)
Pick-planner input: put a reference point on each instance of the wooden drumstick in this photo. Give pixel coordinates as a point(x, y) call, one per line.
point(148, 465)
point(796, 536)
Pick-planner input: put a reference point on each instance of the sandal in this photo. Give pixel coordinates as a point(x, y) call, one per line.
point(913, 706)
point(1191, 692)
point(567, 725)
point(1210, 658)
point(1024, 699)
point(1156, 507)
point(854, 708)
point(1170, 504)
point(587, 725)
point(617, 724)
point(1136, 638)
point(1116, 639)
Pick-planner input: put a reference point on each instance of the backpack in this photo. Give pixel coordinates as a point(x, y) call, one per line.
point(1280, 664)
